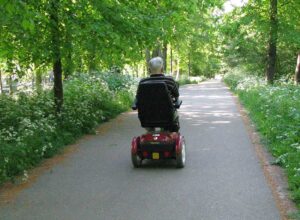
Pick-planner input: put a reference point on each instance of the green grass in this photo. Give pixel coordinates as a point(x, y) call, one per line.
point(30, 131)
point(275, 110)
point(295, 216)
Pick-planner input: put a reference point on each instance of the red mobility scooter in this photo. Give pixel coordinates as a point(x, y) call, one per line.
point(156, 113)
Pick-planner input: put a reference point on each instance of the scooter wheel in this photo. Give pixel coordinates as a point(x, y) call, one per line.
point(136, 160)
point(180, 158)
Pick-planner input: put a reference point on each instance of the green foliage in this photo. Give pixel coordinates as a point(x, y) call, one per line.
point(115, 82)
point(294, 216)
point(245, 34)
point(275, 111)
point(191, 80)
point(30, 131)
point(93, 35)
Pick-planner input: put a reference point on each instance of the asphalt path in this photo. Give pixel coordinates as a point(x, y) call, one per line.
point(223, 178)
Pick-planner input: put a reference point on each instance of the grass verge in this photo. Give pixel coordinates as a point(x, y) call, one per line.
point(275, 110)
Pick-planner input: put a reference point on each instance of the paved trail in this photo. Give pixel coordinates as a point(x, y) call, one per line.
point(222, 180)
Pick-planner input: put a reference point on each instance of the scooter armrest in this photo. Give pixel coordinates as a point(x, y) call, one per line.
point(134, 104)
point(178, 103)
point(134, 107)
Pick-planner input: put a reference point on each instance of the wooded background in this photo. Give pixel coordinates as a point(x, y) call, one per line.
point(57, 38)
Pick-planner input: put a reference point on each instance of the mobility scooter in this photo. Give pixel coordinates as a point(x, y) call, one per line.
point(156, 113)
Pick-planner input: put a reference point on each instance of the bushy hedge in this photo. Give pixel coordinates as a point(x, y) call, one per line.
point(30, 130)
point(191, 80)
point(276, 112)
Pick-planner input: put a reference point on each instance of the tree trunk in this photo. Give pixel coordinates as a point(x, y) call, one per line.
point(271, 65)
point(189, 73)
point(92, 62)
point(148, 57)
point(1, 85)
point(10, 70)
point(136, 69)
point(178, 69)
point(58, 87)
point(69, 65)
point(10, 84)
point(57, 67)
point(30, 72)
point(297, 72)
point(165, 52)
point(38, 80)
point(157, 52)
point(171, 61)
point(145, 70)
point(92, 57)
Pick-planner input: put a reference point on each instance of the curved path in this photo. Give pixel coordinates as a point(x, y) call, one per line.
point(223, 178)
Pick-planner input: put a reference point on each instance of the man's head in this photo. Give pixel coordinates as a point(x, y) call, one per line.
point(156, 65)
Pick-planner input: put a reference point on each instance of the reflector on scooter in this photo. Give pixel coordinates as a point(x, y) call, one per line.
point(167, 154)
point(145, 154)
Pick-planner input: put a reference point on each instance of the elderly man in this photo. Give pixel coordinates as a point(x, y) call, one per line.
point(156, 73)
point(156, 66)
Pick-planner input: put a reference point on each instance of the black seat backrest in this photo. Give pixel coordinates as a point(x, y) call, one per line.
point(167, 79)
point(154, 103)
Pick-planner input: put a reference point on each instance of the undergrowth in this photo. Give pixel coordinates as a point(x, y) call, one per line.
point(275, 109)
point(191, 80)
point(30, 130)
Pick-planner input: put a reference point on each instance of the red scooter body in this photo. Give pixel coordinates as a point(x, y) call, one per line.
point(158, 146)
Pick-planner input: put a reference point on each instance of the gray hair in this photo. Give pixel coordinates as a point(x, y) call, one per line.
point(156, 65)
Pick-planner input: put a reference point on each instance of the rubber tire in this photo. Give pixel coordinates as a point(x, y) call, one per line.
point(136, 160)
point(181, 157)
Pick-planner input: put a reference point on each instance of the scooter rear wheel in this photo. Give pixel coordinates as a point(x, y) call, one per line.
point(181, 156)
point(136, 160)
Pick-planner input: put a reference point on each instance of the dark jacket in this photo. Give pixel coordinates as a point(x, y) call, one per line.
point(170, 82)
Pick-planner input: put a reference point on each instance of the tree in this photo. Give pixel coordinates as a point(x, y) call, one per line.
point(1, 85)
point(271, 63)
point(260, 26)
point(83, 36)
point(56, 53)
point(297, 72)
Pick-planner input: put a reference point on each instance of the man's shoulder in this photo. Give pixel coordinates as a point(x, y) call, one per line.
point(162, 77)
point(145, 79)
point(170, 78)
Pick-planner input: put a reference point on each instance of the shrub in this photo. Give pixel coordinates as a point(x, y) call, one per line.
point(191, 80)
point(30, 131)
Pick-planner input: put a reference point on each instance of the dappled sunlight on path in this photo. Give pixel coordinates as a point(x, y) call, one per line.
point(207, 107)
